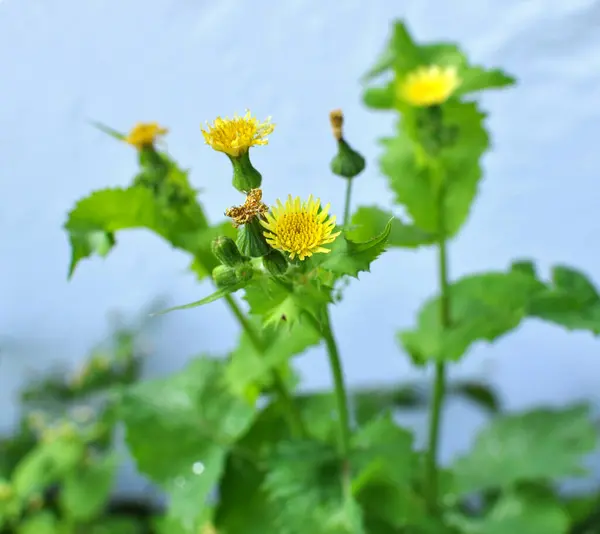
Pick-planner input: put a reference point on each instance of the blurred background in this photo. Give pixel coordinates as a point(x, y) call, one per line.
point(183, 62)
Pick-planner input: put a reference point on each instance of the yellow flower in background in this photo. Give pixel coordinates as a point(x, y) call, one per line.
point(299, 228)
point(428, 86)
point(145, 134)
point(235, 136)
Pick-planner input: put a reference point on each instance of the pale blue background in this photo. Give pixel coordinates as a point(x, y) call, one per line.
point(182, 62)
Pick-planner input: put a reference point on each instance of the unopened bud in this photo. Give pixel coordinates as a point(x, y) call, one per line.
point(276, 263)
point(347, 163)
point(251, 240)
point(227, 252)
point(224, 276)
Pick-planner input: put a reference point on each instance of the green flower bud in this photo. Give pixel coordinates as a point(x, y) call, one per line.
point(224, 276)
point(244, 272)
point(245, 176)
point(276, 263)
point(348, 162)
point(251, 240)
point(227, 252)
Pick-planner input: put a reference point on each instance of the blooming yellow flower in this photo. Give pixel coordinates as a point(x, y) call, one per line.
point(428, 86)
point(235, 136)
point(145, 134)
point(298, 228)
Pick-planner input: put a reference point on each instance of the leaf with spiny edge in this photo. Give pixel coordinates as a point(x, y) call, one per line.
point(348, 257)
point(370, 220)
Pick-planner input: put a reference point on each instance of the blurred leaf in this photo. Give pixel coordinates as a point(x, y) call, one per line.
point(480, 394)
point(372, 402)
point(41, 523)
point(482, 307)
point(86, 490)
point(417, 181)
point(379, 97)
point(109, 131)
point(542, 444)
point(570, 300)
point(304, 481)
point(522, 514)
point(179, 430)
point(248, 368)
point(369, 221)
point(348, 257)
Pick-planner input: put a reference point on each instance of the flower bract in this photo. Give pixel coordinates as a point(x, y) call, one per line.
point(235, 136)
point(145, 134)
point(429, 86)
point(299, 228)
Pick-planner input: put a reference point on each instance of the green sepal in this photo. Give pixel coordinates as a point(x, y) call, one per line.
point(347, 163)
point(251, 241)
point(276, 263)
point(245, 176)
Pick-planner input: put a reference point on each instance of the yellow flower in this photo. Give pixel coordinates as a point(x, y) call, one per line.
point(298, 227)
point(145, 134)
point(428, 86)
point(235, 136)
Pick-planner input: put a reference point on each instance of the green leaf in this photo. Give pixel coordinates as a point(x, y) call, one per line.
point(179, 430)
point(380, 97)
point(109, 131)
point(542, 444)
point(283, 304)
point(95, 218)
point(85, 491)
point(523, 514)
point(218, 294)
point(482, 307)
point(41, 523)
point(368, 221)
point(477, 79)
point(348, 257)
point(371, 402)
point(304, 481)
point(482, 395)
point(570, 300)
point(250, 370)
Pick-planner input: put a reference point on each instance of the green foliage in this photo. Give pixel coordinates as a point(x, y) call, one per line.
point(542, 444)
point(179, 430)
point(482, 307)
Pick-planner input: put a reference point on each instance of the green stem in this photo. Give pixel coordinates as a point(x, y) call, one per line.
point(439, 386)
point(347, 211)
point(293, 414)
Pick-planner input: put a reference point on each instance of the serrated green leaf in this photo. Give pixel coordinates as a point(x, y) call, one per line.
point(85, 491)
point(570, 300)
point(368, 221)
point(520, 513)
point(348, 257)
point(283, 304)
point(482, 307)
point(249, 369)
point(543, 444)
point(179, 430)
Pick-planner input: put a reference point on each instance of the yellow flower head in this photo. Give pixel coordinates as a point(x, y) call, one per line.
point(235, 136)
point(252, 207)
point(298, 227)
point(428, 86)
point(145, 134)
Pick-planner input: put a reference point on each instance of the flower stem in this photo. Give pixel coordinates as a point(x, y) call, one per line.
point(439, 385)
point(293, 414)
point(347, 210)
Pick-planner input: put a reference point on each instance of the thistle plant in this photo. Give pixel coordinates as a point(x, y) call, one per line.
point(233, 442)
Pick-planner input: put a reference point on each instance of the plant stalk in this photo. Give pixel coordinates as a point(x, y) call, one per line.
point(439, 385)
point(293, 414)
point(347, 205)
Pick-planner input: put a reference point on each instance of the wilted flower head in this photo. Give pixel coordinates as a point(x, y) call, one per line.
point(145, 134)
point(235, 136)
point(252, 207)
point(428, 86)
point(299, 228)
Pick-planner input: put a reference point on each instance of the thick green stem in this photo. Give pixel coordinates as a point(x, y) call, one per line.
point(439, 386)
point(347, 210)
point(293, 414)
